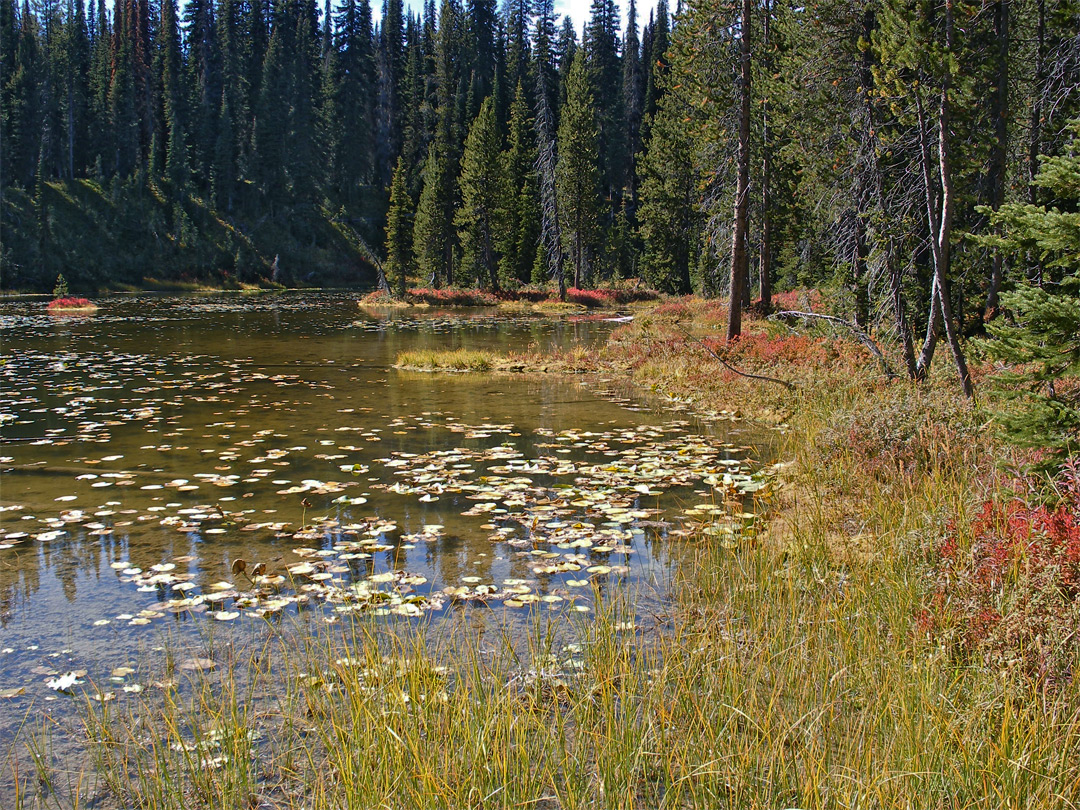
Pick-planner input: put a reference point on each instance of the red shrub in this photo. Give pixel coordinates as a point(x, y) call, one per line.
point(1013, 598)
point(69, 302)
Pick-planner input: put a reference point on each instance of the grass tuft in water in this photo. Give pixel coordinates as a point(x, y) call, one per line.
point(455, 360)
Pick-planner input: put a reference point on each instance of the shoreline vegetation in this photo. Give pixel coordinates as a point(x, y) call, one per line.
point(897, 631)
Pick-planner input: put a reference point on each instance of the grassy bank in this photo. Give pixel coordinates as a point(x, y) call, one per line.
point(840, 654)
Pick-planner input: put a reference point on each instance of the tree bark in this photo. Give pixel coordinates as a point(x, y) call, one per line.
point(765, 257)
point(740, 268)
point(1001, 145)
point(940, 210)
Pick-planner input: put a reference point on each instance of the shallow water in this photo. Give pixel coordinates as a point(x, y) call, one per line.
point(150, 446)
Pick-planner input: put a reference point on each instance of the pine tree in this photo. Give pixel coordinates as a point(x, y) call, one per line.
point(169, 66)
point(601, 45)
point(578, 174)
point(21, 101)
point(670, 223)
point(519, 248)
point(1040, 342)
point(390, 61)
point(399, 231)
point(74, 76)
point(430, 235)
point(633, 89)
point(485, 201)
point(655, 65)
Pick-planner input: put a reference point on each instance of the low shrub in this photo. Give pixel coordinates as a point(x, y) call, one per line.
point(69, 302)
point(1007, 586)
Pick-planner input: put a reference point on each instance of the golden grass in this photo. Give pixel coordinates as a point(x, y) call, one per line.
point(440, 360)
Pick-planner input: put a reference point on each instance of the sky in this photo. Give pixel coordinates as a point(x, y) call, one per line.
point(577, 9)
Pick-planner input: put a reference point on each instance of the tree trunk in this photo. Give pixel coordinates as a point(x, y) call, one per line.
point(940, 211)
point(1001, 145)
point(765, 257)
point(896, 278)
point(740, 269)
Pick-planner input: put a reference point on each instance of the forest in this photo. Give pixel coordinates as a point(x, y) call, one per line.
point(730, 146)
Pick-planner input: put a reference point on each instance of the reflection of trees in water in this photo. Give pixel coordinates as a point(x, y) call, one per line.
point(67, 558)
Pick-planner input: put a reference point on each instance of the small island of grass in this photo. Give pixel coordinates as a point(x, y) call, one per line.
point(64, 303)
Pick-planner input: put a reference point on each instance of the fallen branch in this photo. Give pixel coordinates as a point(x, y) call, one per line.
point(862, 337)
point(790, 386)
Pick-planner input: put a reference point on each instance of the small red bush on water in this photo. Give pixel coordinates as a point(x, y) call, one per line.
point(69, 303)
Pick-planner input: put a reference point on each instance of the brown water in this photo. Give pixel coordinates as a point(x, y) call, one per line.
point(148, 447)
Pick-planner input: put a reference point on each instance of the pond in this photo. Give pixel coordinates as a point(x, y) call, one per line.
point(171, 463)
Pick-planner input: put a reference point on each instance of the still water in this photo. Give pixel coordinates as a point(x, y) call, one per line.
point(176, 462)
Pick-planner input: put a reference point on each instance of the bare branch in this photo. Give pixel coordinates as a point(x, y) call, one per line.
point(862, 337)
point(790, 386)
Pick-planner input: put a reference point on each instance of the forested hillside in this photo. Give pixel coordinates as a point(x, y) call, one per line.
point(733, 146)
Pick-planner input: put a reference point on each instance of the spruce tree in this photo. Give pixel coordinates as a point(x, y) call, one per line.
point(601, 45)
point(1039, 393)
point(578, 176)
point(482, 217)
point(522, 236)
point(399, 231)
point(670, 226)
point(430, 236)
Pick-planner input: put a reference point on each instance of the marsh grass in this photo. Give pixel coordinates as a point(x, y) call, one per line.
point(454, 360)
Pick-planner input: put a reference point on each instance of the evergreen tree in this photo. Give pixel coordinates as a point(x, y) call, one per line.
point(357, 95)
point(654, 65)
point(74, 76)
point(519, 248)
point(390, 61)
point(578, 173)
point(485, 201)
point(1040, 342)
point(399, 231)
point(20, 98)
point(169, 67)
point(430, 235)
point(633, 101)
point(481, 21)
point(670, 226)
point(601, 44)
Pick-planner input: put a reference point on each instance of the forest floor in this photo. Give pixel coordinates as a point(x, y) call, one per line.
point(899, 632)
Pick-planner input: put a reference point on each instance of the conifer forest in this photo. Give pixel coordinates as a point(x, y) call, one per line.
point(716, 147)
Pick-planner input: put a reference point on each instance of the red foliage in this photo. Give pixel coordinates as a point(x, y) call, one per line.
point(452, 297)
point(1012, 597)
point(797, 300)
point(591, 298)
point(774, 350)
point(69, 302)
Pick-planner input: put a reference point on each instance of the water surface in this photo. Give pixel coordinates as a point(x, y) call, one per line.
point(149, 447)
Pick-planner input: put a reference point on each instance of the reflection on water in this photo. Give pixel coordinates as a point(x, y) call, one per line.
point(150, 447)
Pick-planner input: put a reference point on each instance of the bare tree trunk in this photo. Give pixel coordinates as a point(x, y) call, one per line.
point(765, 257)
point(740, 268)
point(896, 278)
point(550, 232)
point(933, 333)
point(1035, 139)
point(940, 211)
point(1001, 145)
